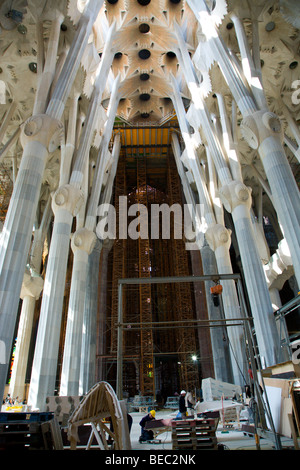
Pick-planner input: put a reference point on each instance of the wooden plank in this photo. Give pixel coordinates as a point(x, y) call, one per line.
point(293, 431)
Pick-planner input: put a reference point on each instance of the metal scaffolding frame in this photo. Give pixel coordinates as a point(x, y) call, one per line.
point(147, 384)
point(184, 311)
point(263, 406)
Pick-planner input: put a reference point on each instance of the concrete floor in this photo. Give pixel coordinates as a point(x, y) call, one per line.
point(232, 439)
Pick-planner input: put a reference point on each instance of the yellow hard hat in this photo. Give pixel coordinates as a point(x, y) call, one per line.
point(152, 412)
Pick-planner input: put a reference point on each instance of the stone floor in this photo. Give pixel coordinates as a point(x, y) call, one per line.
point(232, 439)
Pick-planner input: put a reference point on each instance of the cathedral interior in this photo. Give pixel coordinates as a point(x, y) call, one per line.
point(192, 105)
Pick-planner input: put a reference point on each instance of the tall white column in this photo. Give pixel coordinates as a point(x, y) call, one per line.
point(40, 136)
point(89, 330)
point(219, 241)
point(31, 289)
point(30, 292)
point(45, 78)
point(68, 200)
point(236, 199)
point(37, 136)
point(222, 356)
point(101, 314)
point(65, 205)
point(83, 242)
point(262, 130)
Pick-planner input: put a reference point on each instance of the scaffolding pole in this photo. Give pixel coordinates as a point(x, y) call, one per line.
point(262, 402)
point(186, 338)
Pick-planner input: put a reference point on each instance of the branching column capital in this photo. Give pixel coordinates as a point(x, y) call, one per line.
point(69, 198)
point(83, 239)
point(32, 285)
point(44, 129)
point(260, 125)
point(217, 235)
point(235, 194)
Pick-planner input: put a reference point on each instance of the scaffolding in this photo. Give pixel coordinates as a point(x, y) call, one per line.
point(183, 309)
point(118, 251)
point(262, 429)
point(155, 359)
point(147, 383)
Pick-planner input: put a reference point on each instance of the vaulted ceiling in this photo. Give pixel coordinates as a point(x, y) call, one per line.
point(145, 54)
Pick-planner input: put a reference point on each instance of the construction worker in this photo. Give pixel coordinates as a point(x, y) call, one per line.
point(146, 435)
point(182, 405)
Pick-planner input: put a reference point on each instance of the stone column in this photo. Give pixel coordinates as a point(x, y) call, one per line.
point(263, 131)
point(40, 136)
point(68, 200)
point(93, 112)
point(102, 160)
point(31, 289)
point(219, 245)
point(30, 292)
point(236, 198)
point(101, 317)
point(65, 204)
point(82, 244)
point(219, 343)
point(204, 339)
point(89, 333)
point(219, 240)
point(67, 76)
point(45, 78)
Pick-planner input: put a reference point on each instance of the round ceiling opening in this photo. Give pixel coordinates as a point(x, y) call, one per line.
point(144, 28)
point(144, 76)
point(144, 54)
point(145, 97)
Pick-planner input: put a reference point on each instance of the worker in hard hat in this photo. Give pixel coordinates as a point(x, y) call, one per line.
point(182, 405)
point(147, 434)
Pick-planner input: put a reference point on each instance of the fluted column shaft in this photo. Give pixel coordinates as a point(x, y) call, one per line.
point(16, 233)
point(83, 242)
point(30, 292)
point(67, 76)
point(31, 289)
point(219, 240)
point(41, 136)
point(231, 306)
point(17, 382)
point(89, 334)
point(215, 235)
point(282, 182)
point(43, 376)
point(220, 347)
point(236, 199)
point(68, 198)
